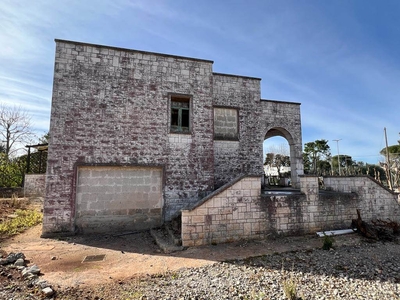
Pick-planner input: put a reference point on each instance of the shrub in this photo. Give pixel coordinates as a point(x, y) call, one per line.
point(328, 242)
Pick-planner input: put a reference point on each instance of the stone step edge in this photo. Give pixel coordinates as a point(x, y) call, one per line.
point(176, 240)
point(162, 241)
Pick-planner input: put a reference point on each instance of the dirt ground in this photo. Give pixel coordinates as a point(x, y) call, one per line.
point(128, 256)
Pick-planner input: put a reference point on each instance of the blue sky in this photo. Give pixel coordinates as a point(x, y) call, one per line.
point(339, 59)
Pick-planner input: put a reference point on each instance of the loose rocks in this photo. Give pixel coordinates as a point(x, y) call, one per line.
point(10, 268)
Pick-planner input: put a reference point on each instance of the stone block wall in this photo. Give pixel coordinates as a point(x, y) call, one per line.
point(238, 211)
point(229, 214)
point(124, 198)
point(314, 210)
point(311, 210)
point(226, 125)
point(378, 201)
point(34, 185)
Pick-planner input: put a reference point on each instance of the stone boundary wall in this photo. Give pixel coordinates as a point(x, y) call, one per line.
point(378, 202)
point(312, 210)
point(230, 213)
point(35, 185)
point(239, 211)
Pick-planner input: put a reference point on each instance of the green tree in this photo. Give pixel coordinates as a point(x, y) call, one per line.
point(269, 159)
point(12, 171)
point(277, 160)
point(314, 153)
point(323, 167)
point(346, 162)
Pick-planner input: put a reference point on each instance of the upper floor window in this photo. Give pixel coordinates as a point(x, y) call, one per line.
point(180, 114)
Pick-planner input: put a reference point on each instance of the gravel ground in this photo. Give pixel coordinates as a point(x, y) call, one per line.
point(370, 271)
point(365, 271)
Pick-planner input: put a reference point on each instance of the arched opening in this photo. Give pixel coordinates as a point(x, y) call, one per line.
point(279, 159)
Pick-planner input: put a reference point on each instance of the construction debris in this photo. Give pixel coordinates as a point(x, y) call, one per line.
point(335, 232)
point(377, 230)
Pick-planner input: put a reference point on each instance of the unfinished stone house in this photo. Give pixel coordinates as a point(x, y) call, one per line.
point(136, 137)
point(140, 138)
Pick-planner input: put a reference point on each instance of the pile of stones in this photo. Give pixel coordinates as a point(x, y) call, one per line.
point(29, 274)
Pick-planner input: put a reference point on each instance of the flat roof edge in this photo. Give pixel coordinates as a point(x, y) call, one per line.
point(281, 101)
point(132, 50)
point(233, 75)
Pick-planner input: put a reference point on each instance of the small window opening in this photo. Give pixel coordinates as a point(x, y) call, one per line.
point(180, 114)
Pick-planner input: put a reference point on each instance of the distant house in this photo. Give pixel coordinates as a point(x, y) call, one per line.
point(135, 136)
point(273, 171)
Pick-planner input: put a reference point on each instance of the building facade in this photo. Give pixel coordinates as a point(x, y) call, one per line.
point(135, 137)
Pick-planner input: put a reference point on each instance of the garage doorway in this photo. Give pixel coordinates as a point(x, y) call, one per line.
point(118, 198)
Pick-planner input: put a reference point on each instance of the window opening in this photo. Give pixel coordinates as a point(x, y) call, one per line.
point(180, 114)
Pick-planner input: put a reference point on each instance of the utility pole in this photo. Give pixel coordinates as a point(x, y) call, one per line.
point(338, 154)
point(388, 162)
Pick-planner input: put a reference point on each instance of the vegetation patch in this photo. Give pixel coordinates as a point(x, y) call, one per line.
point(22, 220)
point(328, 242)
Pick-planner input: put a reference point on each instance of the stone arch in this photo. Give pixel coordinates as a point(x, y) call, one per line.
point(296, 157)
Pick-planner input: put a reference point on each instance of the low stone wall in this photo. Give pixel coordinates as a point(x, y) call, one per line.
point(310, 210)
point(377, 202)
point(239, 211)
point(34, 185)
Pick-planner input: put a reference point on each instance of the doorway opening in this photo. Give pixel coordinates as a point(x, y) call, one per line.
point(280, 160)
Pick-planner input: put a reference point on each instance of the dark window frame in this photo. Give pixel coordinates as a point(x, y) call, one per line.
point(180, 113)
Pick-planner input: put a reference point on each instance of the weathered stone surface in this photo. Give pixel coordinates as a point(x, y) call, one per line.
point(32, 270)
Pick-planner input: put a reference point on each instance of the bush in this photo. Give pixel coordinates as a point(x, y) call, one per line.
point(328, 242)
point(11, 171)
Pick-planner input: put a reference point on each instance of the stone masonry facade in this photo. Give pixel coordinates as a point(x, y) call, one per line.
point(123, 108)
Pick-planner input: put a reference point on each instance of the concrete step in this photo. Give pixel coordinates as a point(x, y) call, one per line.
point(176, 238)
point(164, 240)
